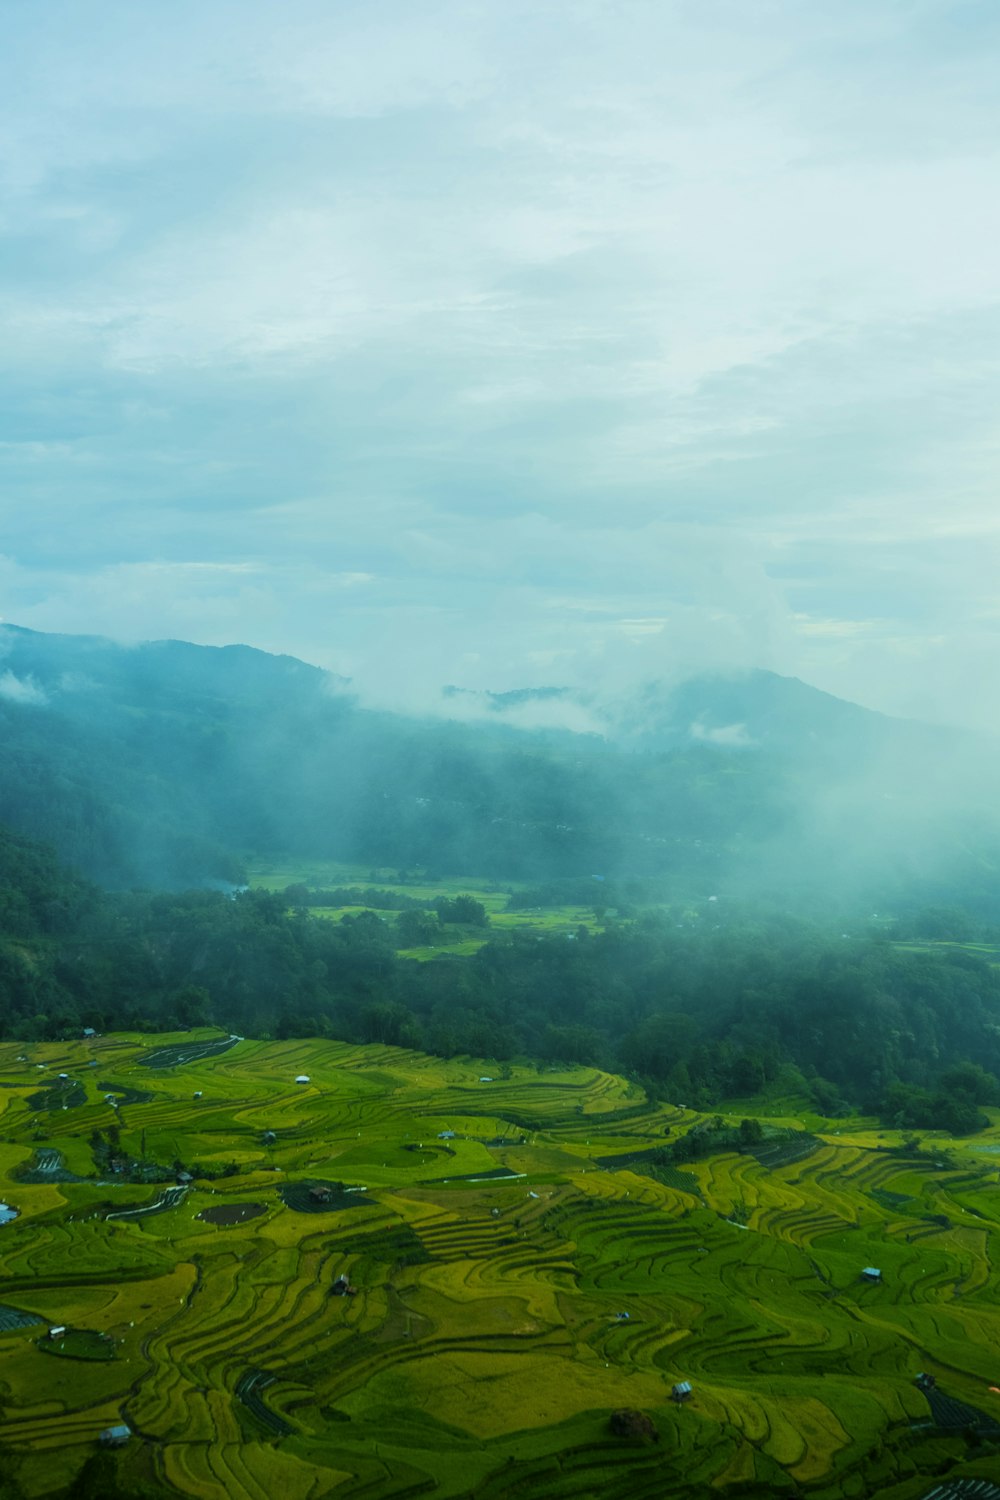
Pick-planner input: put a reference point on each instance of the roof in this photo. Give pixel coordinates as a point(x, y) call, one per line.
point(682, 1388)
point(871, 1271)
point(302, 1078)
point(118, 1431)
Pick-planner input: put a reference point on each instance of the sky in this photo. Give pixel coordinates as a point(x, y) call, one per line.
point(508, 343)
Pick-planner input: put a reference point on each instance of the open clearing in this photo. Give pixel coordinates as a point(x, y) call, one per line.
point(396, 1280)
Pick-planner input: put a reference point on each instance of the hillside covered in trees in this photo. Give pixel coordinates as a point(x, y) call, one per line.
point(168, 765)
point(696, 1010)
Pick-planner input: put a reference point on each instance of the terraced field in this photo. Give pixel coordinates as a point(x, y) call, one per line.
point(449, 1286)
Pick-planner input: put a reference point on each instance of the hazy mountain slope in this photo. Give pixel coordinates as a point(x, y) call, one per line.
point(167, 763)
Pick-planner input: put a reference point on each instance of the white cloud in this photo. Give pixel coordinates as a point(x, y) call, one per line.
point(733, 735)
point(365, 332)
point(21, 689)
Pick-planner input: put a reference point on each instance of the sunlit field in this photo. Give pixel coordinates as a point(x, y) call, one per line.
point(510, 1287)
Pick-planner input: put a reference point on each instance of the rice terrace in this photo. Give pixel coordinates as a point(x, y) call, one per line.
point(398, 1278)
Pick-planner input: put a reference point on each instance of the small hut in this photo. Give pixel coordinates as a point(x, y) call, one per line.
point(115, 1437)
point(342, 1287)
point(681, 1391)
point(320, 1194)
point(303, 1078)
point(871, 1273)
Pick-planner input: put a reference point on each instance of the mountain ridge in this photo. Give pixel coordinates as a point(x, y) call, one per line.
point(169, 763)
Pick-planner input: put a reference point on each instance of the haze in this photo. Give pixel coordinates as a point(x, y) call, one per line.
point(503, 344)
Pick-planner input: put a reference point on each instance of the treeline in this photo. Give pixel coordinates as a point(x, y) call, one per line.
point(697, 1011)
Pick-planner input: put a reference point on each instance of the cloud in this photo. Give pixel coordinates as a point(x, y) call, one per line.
point(21, 689)
point(362, 332)
point(734, 735)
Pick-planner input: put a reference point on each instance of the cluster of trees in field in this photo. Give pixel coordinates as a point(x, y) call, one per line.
point(698, 1010)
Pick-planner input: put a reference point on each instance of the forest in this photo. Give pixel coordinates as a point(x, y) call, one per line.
point(697, 1009)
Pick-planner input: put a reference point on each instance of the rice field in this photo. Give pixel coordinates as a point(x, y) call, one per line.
point(395, 1279)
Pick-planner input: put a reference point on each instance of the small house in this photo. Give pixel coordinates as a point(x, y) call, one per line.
point(871, 1273)
point(303, 1078)
point(197, 1093)
point(116, 1437)
point(183, 1178)
point(621, 1317)
point(681, 1391)
point(926, 1382)
point(64, 1078)
point(342, 1287)
point(58, 1331)
point(89, 1031)
point(484, 1079)
point(269, 1138)
point(320, 1194)
point(446, 1135)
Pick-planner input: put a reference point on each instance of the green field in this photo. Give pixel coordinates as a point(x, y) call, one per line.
point(327, 874)
point(481, 1348)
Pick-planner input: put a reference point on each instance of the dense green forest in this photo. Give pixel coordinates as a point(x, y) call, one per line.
point(696, 1009)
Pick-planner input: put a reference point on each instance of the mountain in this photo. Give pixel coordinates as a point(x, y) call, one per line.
point(169, 763)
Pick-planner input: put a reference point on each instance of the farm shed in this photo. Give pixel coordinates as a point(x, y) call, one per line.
point(681, 1391)
point(320, 1194)
point(303, 1078)
point(57, 1331)
point(446, 1135)
point(116, 1437)
point(89, 1031)
point(871, 1273)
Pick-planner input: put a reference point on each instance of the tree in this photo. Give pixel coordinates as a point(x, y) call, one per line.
point(464, 911)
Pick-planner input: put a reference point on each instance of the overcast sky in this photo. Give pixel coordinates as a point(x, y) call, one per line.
point(510, 342)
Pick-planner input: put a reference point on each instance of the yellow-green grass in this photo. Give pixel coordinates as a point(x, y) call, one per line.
point(484, 1341)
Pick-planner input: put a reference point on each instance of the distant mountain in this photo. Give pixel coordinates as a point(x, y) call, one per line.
point(169, 763)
